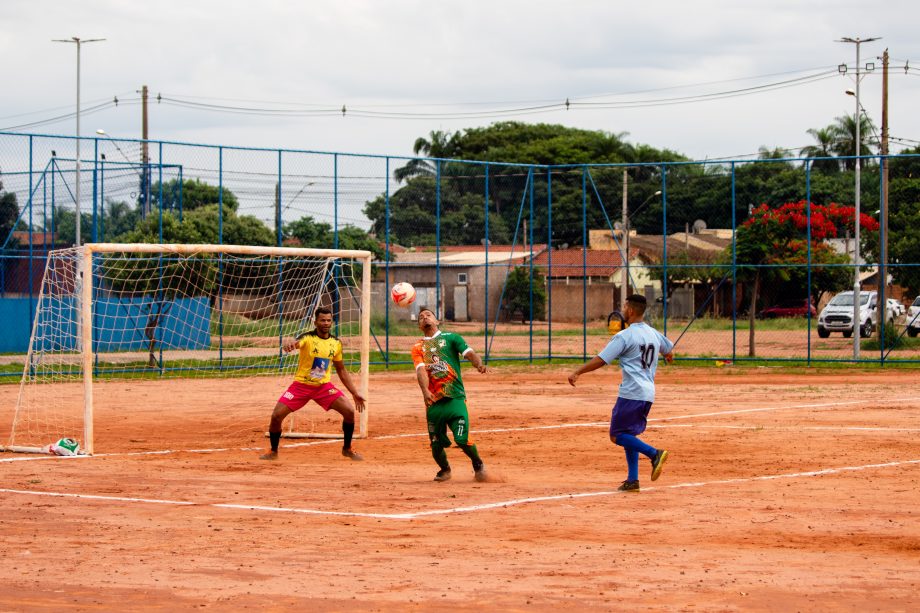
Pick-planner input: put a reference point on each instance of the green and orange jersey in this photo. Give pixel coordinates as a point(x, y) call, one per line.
point(316, 357)
point(440, 355)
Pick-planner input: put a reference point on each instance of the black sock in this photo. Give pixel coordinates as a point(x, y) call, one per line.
point(275, 438)
point(473, 454)
point(440, 456)
point(349, 430)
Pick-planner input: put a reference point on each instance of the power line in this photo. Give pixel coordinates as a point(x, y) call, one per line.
point(568, 104)
point(87, 111)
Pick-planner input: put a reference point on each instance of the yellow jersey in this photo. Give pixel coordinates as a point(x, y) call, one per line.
point(316, 358)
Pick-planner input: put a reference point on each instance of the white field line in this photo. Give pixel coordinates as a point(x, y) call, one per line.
point(467, 509)
point(821, 405)
point(795, 428)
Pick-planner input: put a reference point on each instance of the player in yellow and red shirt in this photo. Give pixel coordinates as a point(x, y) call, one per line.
point(437, 369)
point(319, 351)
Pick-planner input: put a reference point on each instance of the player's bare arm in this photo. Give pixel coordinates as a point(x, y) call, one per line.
point(345, 377)
point(593, 364)
point(476, 361)
point(289, 345)
point(421, 375)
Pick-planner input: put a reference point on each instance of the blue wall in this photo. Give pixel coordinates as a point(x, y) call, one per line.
point(16, 323)
point(185, 324)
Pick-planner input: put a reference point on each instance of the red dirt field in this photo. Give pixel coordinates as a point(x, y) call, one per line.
point(786, 491)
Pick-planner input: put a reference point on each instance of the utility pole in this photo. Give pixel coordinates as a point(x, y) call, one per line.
point(883, 263)
point(145, 154)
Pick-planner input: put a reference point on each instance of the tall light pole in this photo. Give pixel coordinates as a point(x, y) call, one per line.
point(856, 286)
point(78, 42)
point(627, 228)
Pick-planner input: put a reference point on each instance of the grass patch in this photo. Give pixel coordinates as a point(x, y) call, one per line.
point(893, 339)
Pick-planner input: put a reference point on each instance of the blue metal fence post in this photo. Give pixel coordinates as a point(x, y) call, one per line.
point(44, 209)
point(584, 262)
point(486, 244)
point(95, 233)
point(386, 275)
point(335, 200)
point(278, 221)
point(808, 258)
point(437, 233)
point(530, 179)
point(102, 199)
point(181, 187)
point(31, 255)
point(883, 256)
point(160, 196)
point(53, 201)
point(734, 268)
point(664, 242)
point(220, 195)
point(549, 263)
point(220, 265)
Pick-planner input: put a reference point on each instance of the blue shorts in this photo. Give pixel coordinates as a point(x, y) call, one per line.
point(628, 416)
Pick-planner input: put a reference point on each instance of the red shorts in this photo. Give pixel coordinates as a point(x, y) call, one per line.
point(299, 394)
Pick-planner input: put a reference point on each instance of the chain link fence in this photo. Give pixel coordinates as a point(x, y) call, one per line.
point(526, 261)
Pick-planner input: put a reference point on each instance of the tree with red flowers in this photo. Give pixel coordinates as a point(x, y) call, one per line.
point(772, 246)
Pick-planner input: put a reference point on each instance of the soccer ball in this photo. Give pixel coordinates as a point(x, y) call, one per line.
point(402, 294)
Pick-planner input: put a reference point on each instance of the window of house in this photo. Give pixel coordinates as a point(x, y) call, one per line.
point(461, 278)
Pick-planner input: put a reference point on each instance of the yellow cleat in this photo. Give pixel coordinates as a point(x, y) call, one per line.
point(658, 463)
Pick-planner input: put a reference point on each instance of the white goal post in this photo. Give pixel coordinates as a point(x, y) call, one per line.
point(132, 328)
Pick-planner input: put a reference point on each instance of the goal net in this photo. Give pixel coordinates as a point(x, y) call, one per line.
point(140, 347)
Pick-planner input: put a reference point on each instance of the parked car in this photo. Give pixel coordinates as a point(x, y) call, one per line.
point(913, 318)
point(789, 308)
point(837, 316)
point(895, 307)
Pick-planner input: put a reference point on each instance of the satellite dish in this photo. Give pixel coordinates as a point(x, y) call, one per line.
point(698, 226)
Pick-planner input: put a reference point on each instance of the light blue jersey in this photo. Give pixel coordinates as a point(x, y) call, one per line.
point(637, 347)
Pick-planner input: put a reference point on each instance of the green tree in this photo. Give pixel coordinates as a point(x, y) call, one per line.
point(438, 146)
point(844, 131)
point(120, 217)
point(904, 237)
point(9, 212)
point(518, 290)
point(190, 195)
point(771, 248)
point(825, 142)
point(906, 166)
point(65, 227)
point(413, 206)
point(200, 226)
point(413, 220)
point(312, 233)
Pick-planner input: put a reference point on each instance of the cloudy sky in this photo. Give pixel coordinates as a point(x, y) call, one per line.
point(705, 78)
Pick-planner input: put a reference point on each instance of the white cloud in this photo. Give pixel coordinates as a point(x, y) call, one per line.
point(361, 53)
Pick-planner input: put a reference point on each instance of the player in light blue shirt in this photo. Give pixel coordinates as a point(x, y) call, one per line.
point(637, 347)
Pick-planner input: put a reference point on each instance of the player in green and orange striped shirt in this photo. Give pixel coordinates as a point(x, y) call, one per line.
point(437, 368)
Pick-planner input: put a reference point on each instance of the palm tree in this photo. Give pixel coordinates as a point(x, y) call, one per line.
point(824, 148)
point(438, 147)
point(844, 131)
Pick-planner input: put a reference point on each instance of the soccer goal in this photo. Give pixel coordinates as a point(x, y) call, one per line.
point(139, 347)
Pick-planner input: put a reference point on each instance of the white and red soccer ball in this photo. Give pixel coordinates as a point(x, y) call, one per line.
point(403, 294)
